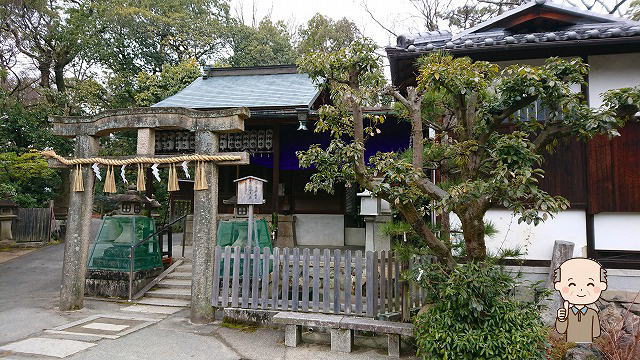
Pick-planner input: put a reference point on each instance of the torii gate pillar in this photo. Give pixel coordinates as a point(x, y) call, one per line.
point(205, 214)
point(78, 231)
point(207, 125)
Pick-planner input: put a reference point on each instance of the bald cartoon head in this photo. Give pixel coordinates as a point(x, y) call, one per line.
point(580, 281)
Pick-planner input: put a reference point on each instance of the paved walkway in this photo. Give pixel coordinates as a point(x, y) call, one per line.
point(30, 324)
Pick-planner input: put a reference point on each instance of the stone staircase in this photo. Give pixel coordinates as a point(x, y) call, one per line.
point(173, 290)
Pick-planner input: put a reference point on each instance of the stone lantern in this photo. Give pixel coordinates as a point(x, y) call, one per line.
point(8, 210)
point(132, 203)
point(376, 213)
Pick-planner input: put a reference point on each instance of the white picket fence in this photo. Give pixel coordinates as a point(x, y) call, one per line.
point(312, 280)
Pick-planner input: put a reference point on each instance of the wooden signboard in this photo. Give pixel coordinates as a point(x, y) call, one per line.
point(250, 193)
point(250, 190)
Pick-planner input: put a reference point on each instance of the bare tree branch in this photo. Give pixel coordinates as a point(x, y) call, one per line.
point(366, 8)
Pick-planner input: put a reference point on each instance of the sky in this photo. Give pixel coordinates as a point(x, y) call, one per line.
point(394, 14)
point(397, 15)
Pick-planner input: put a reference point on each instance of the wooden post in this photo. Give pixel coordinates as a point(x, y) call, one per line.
point(405, 311)
point(276, 170)
point(250, 227)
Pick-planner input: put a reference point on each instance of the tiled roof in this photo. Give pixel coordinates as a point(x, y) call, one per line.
point(501, 38)
point(252, 91)
point(491, 35)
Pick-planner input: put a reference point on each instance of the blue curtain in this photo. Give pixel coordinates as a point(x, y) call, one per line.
point(394, 137)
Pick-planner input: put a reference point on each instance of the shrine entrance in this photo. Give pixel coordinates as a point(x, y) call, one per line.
point(202, 130)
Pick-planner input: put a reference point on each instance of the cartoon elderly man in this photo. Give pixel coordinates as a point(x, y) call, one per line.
point(580, 282)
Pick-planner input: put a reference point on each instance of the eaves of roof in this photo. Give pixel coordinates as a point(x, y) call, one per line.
point(605, 33)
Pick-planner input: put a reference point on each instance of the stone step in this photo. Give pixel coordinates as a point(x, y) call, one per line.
point(183, 268)
point(184, 294)
point(179, 275)
point(175, 283)
point(152, 309)
point(163, 302)
point(185, 260)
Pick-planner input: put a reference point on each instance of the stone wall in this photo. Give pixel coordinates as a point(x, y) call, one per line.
point(107, 283)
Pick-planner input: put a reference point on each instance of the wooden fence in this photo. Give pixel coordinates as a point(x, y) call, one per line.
point(293, 279)
point(33, 225)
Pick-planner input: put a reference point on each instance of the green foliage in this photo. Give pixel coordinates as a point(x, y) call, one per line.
point(152, 88)
point(473, 314)
point(510, 163)
point(27, 179)
point(144, 35)
point(24, 127)
point(332, 72)
point(326, 35)
point(467, 104)
point(396, 228)
point(267, 44)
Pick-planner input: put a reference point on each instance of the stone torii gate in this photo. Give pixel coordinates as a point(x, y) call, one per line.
point(86, 130)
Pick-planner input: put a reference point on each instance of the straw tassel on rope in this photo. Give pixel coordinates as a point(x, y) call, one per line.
point(78, 181)
point(110, 181)
point(172, 184)
point(141, 183)
point(200, 182)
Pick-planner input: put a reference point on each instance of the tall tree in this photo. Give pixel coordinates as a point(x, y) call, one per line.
point(47, 32)
point(322, 33)
point(469, 102)
point(143, 35)
point(267, 44)
point(152, 88)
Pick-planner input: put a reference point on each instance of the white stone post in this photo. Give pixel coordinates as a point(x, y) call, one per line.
point(205, 214)
point(146, 144)
point(78, 231)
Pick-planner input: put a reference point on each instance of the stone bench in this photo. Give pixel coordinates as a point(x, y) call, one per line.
point(341, 329)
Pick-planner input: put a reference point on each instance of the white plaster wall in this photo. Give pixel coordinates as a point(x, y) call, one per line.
point(617, 279)
point(612, 72)
point(319, 229)
point(354, 236)
point(535, 241)
point(617, 231)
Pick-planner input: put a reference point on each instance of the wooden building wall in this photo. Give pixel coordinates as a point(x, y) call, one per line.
point(614, 171)
point(565, 172)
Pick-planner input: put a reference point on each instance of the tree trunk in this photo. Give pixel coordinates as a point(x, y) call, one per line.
point(44, 66)
point(58, 72)
point(472, 219)
point(418, 224)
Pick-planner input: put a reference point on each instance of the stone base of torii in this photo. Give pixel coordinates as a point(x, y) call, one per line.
point(86, 131)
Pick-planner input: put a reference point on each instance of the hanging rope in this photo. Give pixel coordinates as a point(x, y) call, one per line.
point(110, 181)
point(139, 160)
point(141, 182)
point(172, 184)
point(200, 182)
point(78, 182)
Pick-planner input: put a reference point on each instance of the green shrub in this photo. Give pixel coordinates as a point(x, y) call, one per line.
point(474, 315)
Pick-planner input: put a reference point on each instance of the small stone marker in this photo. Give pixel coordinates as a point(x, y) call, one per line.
point(562, 251)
